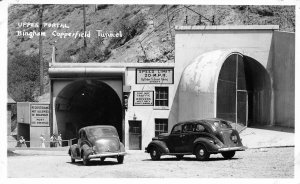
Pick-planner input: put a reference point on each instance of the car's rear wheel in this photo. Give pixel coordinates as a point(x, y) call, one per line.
point(155, 153)
point(179, 157)
point(86, 160)
point(201, 153)
point(120, 159)
point(228, 154)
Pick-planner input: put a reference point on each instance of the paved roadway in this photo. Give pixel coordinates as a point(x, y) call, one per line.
point(253, 163)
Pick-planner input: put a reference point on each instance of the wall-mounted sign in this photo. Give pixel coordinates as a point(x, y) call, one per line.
point(154, 76)
point(143, 98)
point(39, 115)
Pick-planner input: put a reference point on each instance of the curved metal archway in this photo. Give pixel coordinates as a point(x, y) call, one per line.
point(243, 91)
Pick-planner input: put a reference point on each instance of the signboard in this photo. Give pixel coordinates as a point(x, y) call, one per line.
point(154, 76)
point(143, 98)
point(39, 115)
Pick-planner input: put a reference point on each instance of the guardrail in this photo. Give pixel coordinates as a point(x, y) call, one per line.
point(51, 144)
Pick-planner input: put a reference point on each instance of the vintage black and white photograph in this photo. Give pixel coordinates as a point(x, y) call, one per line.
point(150, 90)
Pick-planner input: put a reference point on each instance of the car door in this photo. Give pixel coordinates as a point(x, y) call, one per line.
point(174, 140)
point(200, 130)
point(187, 137)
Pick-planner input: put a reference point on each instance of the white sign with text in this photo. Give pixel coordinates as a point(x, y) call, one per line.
point(143, 98)
point(39, 115)
point(154, 76)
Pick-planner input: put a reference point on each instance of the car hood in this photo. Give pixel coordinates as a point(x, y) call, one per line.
point(106, 144)
point(162, 136)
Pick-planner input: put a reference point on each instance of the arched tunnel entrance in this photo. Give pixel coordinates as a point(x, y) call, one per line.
point(87, 102)
point(244, 91)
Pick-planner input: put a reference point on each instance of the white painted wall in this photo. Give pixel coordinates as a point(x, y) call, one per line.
point(146, 114)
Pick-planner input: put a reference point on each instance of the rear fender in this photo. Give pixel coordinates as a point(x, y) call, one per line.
point(209, 144)
point(86, 150)
point(160, 145)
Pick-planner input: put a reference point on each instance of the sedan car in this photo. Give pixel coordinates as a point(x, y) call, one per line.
point(197, 137)
point(97, 142)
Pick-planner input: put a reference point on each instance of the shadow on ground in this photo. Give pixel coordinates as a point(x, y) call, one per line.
point(11, 153)
point(95, 163)
point(189, 159)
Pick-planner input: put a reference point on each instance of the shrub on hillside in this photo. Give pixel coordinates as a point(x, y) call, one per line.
point(23, 76)
point(129, 29)
point(65, 58)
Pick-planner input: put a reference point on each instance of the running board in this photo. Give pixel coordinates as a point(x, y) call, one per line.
point(177, 154)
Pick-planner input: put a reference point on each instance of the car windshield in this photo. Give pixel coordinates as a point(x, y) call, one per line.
point(102, 132)
point(222, 124)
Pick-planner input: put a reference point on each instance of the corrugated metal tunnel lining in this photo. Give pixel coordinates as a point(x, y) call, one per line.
point(243, 91)
point(87, 102)
point(226, 84)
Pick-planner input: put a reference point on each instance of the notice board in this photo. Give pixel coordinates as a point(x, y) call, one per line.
point(143, 98)
point(39, 115)
point(154, 76)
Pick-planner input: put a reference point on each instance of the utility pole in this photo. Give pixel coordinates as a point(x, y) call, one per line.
point(40, 14)
point(84, 38)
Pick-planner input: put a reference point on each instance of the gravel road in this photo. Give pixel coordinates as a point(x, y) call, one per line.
point(252, 163)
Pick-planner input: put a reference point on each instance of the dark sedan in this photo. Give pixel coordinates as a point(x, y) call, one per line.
point(197, 137)
point(97, 142)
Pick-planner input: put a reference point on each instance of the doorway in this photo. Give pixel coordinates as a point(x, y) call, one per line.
point(135, 135)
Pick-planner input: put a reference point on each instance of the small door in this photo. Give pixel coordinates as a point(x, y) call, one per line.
point(135, 135)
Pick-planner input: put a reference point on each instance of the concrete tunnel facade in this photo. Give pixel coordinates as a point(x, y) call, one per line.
point(226, 84)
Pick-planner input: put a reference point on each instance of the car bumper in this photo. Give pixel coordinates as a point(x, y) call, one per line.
point(241, 148)
point(99, 155)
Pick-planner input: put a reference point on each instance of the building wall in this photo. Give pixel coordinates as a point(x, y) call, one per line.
point(283, 72)
point(23, 115)
point(146, 114)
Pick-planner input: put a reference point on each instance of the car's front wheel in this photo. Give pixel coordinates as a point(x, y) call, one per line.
point(201, 153)
point(155, 153)
point(72, 159)
point(228, 154)
point(120, 159)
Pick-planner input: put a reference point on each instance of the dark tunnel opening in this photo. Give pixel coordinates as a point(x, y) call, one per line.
point(85, 103)
point(244, 91)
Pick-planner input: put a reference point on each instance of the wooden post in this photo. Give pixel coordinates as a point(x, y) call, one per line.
point(40, 13)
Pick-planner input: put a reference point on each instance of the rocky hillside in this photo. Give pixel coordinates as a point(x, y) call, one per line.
point(147, 31)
